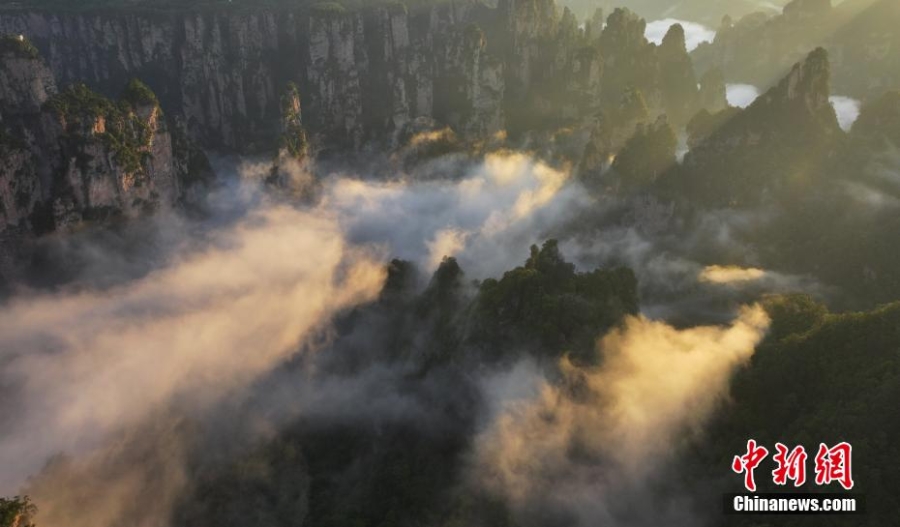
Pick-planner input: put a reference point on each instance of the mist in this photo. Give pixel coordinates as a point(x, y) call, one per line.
point(847, 110)
point(581, 450)
point(741, 95)
point(487, 218)
point(83, 367)
point(121, 384)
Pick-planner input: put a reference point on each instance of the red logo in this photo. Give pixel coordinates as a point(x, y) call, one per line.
point(748, 463)
point(791, 466)
point(832, 465)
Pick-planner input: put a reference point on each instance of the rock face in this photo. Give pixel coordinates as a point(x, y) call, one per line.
point(713, 92)
point(290, 169)
point(469, 95)
point(114, 158)
point(647, 155)
point(612, 129)
point(25, 84)
point(75, 155)
point(293, 135)
point(337, 55)
point(20, 186)
point(775, 147)
point(362, 73)
point(680, 98)
point(26, 81)
point(365, 73)
point(627, 57)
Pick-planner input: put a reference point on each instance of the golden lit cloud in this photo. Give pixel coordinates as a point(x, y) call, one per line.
point(89, 364)
point(717, 274)
point(656, 386)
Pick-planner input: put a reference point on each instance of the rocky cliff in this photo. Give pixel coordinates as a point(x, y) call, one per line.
point(25, 84)
point(774, 149)
point(363, 73)
point(75, 155)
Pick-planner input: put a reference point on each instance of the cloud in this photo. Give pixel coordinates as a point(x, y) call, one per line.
point(487, 218)
point(432, 136)
point(117, 378)
point(601, 433)
point(741, 95)
point(85, 369)
point(757, 281)
point(718, 274)
point(446, 242)
point(687, 273)
point(694, 33)
point(847, 110)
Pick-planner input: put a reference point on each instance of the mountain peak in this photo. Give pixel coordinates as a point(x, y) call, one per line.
point(775, 147)
point(809, 81)
point(624, 28)
point(675, 39)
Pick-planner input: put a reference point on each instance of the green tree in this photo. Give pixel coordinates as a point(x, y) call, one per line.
point(548, 304)
point(17, 512)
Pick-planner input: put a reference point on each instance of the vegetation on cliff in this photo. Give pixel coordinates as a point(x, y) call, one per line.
point(126, 130)
point(17, 512)
point(137, 94)
point(293, 136)
point(19, 46)
point(819, 377)
point(547, 302)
